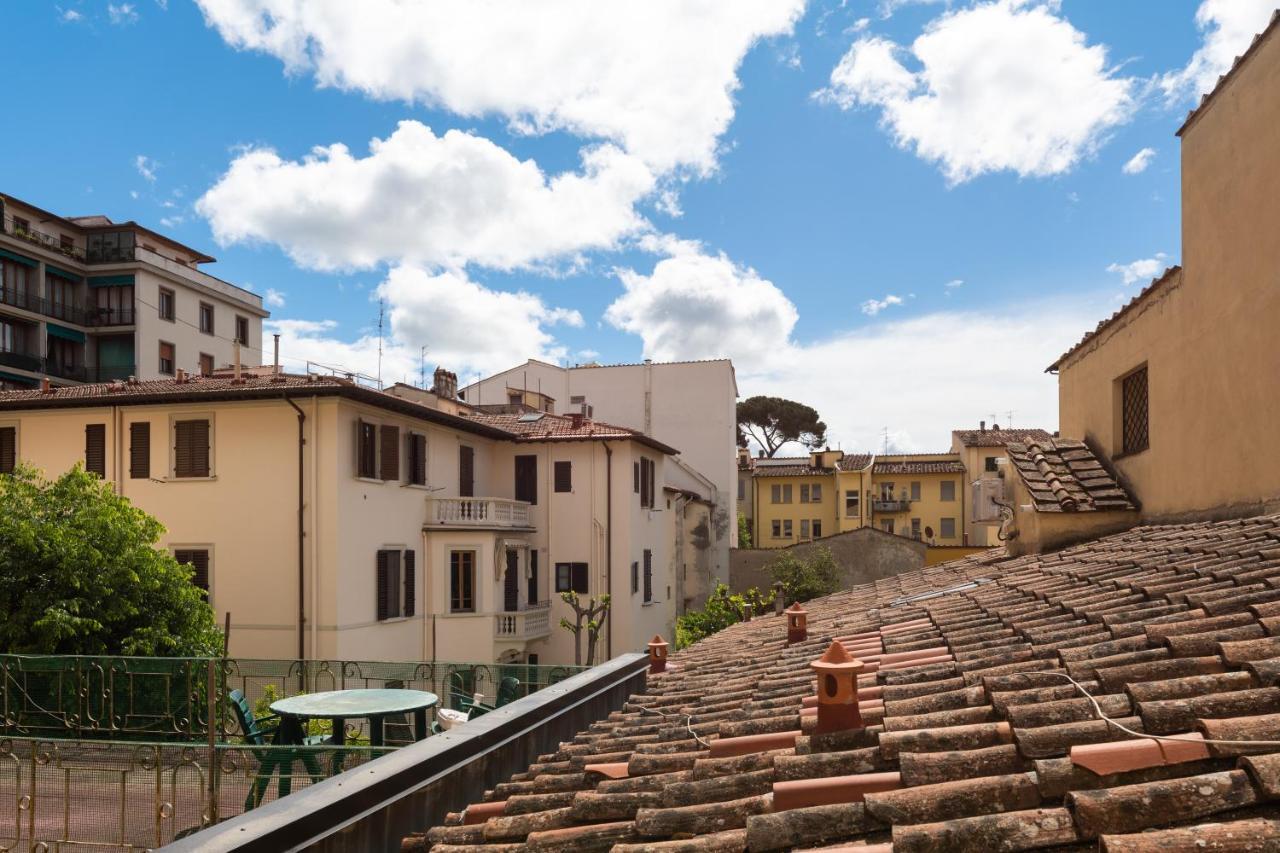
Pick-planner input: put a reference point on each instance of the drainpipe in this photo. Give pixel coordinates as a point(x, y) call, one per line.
point(302, 609)
point(608, 545)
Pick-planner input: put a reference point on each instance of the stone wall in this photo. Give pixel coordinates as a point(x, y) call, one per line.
point(865, 554)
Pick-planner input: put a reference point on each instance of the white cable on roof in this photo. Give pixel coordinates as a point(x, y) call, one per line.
point(688, 722)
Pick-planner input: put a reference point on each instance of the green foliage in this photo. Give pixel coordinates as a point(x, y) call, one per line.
point(803, 578)
point(776, 421)
point(721, 610)
point(744, 532)
point(80, 574)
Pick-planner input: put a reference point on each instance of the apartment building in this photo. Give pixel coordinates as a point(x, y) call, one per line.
point(1177, 391)
point(691, 405)
point(85, 299)
point(332, 520)
point(984, 454)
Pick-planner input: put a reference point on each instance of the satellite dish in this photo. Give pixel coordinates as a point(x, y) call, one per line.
point(928, 533)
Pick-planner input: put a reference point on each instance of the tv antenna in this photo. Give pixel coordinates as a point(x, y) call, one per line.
point(381, 311)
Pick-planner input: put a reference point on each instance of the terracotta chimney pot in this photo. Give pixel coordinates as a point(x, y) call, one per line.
point(778, 598)
point(837, 690)
point(797, 624)
point(657, 654)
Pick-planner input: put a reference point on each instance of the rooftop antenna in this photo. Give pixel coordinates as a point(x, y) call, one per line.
point(381, 303)
point(885, 431)
point(422, 368)
point(1009, 423)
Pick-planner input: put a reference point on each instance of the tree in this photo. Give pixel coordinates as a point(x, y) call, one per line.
point(80, 574)
point(721, 610)
point(744, 531)
point(803, 578)
point(774, 422)
point(592, 617)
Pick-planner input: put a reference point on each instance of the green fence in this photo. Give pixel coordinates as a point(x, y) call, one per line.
point(167, 699)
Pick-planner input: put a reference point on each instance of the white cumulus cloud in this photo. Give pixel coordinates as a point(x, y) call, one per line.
point(1007, 85)
point(121, 14)
point(1143, 269)
point(419, 198)
point(1229, 27)
point(1139, 162)
point(146, 167)
point(656, 78)
point(698, 305)
point(872, 307)
point(273, 298)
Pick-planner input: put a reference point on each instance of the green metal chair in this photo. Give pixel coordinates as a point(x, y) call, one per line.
point(270, 760)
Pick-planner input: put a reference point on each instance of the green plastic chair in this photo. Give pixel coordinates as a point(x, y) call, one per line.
point(271, 761)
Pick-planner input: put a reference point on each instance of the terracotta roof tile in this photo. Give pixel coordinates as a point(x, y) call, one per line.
point(1063, 475)
point(998, 437)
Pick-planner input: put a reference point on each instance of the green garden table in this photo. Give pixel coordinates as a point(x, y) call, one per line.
point(342, 705)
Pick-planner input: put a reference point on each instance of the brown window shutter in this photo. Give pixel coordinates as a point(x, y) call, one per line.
point(191, 448)
point(198, 560)
point(635, 477)
point(527, 478)
point(417, 459)
point(466, 471)
point(140, 450)
point(366, 450)
point(8, 449)
point(384, 585)
point(390, 452)
point(648, 575)
point(409, 582)
point(564, 476)
point(653, 490)
point(95, 449)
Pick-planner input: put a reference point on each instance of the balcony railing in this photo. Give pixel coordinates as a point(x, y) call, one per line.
point(66, 312)
point(477, 512)
point(891, 505)
point(530, 623)
point(99, 317)
point(36, 237)
point(74, 372)
point(111, 373)
point(20, 360)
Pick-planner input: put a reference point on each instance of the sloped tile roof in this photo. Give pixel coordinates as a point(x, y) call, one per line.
point(997, 437)
point(1064, 475)
point(909, 466)
point(1167, 278)
point(970, 722)
point(855, 461)
point(548, 427)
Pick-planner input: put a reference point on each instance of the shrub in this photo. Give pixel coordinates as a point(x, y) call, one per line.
point(803, 578)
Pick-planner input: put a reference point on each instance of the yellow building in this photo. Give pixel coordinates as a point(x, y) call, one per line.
point(983, 452)
point(920, 495)
point(794, 498)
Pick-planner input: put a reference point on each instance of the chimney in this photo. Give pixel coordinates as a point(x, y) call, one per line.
point(236, 349)
point(45, 387)
point(275, 365)
point(996, 427)
point(575, 420)
point(837, 674)
point(444, 384)
point(180, 377)
point(779, 599)
point(982, 426)
point(797, 624)
point(657, 655)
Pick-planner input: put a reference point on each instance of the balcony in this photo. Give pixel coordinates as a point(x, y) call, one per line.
point(20, 360)
point(39, 305)
point(529, 623)
point(109, 373)
point(36, 237)
point(100, 317)
point(479, 513)
point(887, 506)
point(74, 372)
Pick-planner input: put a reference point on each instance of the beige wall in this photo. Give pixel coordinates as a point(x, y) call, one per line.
point(1037, 532)
point(184, 330)
point(1208, 340)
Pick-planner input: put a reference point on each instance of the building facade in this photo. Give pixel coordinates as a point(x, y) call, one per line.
point(88, 300)
point(334, 521)
point(691, 405)
point(1178, 388)
point(983, 452)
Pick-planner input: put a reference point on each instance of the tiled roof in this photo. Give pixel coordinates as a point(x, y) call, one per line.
point(855, 461)
point(548, 427)
point(1173, 273)
point(997, 437)
point(974, 739)
point(917, 466)
point(1063, 475)
point(1208, 97)
point(798, 470)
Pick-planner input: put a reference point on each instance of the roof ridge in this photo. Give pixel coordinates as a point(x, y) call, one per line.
point(1157, 282)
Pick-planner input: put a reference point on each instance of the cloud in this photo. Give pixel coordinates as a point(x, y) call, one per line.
point(655, 78)
point(121, 14)
point(418, 198)
point(1006, 85)
point(1139, 270)
point(697, 305)
point(954, 283)
point(146, 167)
point(872, 307)
point(1138, 163)
point(1229, 27)
point(69, 16)
point(274, 298)
point(465, 326)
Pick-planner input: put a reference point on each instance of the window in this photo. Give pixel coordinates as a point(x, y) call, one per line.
point(948, 528)
point(396, 583)
point(367, 450)
point(648, 576)
point(915, 528)
point(95, 449)
point(564, 476)
point(533, 576)
point(815, 493)
point(781, 494)
point(191, 448)
point(198, 560)
point(804, 528)
point(915, 491)
point(20, 224)
point(948, 492)
point(635, 477)
point(65, 242)
point(851, 504)
point(786, 528)
point(647, 469)
point(11, 337)
point(206, 318)
point(527, 478)
point(571, 577)
point(466, 471)
point(206, 364)
point(462, 581)
point(166, 358)
point(742, 489)
point(1133, 412)
point(991, 464)
point(804, 493)
point(417, 459)
point(139, 450)
point(8, 449)
point(242, 330)
point(886, 491)
point(886, 525)
point(635, 577)
point(390, 452)
point(817, 528)
point(167, 300)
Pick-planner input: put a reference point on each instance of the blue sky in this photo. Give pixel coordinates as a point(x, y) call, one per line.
point(897, 211)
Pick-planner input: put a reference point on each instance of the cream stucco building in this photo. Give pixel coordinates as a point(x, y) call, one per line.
point(691, 404)
point(85, 299)
point(335, 521)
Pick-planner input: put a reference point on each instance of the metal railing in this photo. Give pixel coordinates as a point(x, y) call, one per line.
point(20, 360)
point(74, 372)
point(111, 373)
point(477, 512)
point(98, 317)
point(528, 623)
point(36, 237)
point(891, 505)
